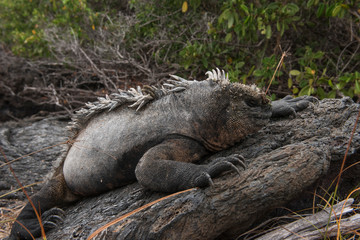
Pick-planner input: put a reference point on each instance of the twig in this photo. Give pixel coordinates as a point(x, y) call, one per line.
point(284, 54)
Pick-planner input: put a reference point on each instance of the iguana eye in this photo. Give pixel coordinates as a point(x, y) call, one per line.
point(251, 102)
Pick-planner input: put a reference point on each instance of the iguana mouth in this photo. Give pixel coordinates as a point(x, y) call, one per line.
point(212, 146)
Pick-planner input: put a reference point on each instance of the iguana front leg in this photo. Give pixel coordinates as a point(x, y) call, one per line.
point(169, 166)
point(289, 105)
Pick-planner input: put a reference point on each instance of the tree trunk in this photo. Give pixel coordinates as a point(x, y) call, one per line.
point(285, 158)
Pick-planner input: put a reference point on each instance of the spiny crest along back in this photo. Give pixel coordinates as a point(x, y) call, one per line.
point(140, 97)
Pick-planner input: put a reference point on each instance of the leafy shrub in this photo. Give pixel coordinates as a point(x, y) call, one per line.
point(266, 25)
point(24, 21)
point(246, 38)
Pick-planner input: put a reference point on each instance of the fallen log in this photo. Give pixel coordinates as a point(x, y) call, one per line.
point(285, 158)
point(324, 224)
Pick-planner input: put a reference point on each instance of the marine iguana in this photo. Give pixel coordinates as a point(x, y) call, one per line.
point(159, 144)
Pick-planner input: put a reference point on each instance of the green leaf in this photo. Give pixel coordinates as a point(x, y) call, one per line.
point(310, 3)
point(340, 85)
point(230, 21)
point(295, 72)
point(228, 37)
point(291, 8)
point(318, 54)
point(290, 83)
point(239, 64)
point(336, 10)
point(295, 90)
point(273, 97)
point(320, 10)
point(322, 80)
point(217, 62)
point(258, 73)
point(357, 75)
point(349, 93)
point(186, 64)
point(304, 91)
point(282, 28)
point(323, 74)
point(273, 5)
point(303, 83)
point(311, 81)
point(357, 87)
point(309, 71)
point(311, 90)
point(247, 19)
point(205, 62)
point(320, 93)
point(224, 15)
point(268, 32)
point(244, 8)
point(332, 94)
point(329, 10)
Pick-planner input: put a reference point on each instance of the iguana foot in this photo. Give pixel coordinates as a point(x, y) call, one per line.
point(218, 166)
point(50, 219)
point(289, 105)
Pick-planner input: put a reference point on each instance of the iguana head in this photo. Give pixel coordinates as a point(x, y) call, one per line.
point(234, 110)
point(248, 111)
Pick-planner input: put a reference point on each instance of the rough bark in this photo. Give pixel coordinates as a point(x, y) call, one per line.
point(320, 224)
point(18, 140)
point(285, 158)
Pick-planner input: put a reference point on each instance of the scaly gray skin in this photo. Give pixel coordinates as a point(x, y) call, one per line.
point(159, 145)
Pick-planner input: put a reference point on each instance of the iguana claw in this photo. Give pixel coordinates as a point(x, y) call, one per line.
point(52, 218)
point(223, 164)
point(203, 180)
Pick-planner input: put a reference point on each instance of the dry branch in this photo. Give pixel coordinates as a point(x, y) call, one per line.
point(322, 224)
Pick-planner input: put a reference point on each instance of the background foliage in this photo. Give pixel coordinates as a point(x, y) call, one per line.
point(111, 41)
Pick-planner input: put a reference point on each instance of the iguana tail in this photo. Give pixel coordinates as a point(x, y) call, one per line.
point(54, 193)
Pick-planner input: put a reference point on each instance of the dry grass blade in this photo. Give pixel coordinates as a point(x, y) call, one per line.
point(283, 55)
point(18, 189)
point(29, 154)
point(27, 196)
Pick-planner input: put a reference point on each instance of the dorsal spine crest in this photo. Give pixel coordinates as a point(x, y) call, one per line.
point(138, 98)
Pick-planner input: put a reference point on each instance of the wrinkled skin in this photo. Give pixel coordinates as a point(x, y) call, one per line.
point(159, 146)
